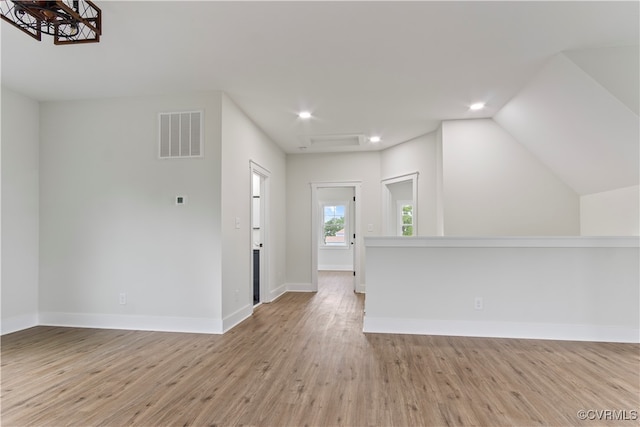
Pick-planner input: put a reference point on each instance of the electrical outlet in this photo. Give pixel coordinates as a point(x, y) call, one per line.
point(478, 304)
point(122, 298)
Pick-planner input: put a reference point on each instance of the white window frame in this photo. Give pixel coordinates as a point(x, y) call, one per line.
point(338, 246)
point(399, 215)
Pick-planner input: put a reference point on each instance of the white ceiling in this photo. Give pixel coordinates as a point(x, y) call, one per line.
point(587, 136)
point(617, 69)
point(395, 69)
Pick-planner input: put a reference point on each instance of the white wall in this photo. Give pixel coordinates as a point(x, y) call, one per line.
point(302, 170)
point(582, 132)
point(336, 258)
point(611, 213)
point(401, 191)
point(242, 142)
point(616, 68)
point(109, 222)
point(417, 155)
point(20, 149)
point(398, 191)
point(546, 288)
point(494, 186)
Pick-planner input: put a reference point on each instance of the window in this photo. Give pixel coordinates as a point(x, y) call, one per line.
point(405, 217)
point(334, 229)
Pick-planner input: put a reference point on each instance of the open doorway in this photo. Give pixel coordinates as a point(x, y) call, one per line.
point(259, 232)
point(400, 205)
point(335, 230)
point(336, 241)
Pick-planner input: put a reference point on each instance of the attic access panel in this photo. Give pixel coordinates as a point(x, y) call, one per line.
point(333, 141)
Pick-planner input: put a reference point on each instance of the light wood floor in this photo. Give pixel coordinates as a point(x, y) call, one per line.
point(303, 360)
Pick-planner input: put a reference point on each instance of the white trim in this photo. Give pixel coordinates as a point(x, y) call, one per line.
point(322, 204)
point(265, 219)
point(235, 318)
point(19, 323)
point(361, 288)
point(339, 247)
point(439, 184)
point(357, 229)
point(335, 268)
point(198, 325)
point(300, 287)
point(388, 222)
point(400, 217)
point(546, 331)
point(277, 292)
point(401, 178)
point(503, 242)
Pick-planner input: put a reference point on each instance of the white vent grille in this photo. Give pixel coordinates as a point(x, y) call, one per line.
point(180, 134)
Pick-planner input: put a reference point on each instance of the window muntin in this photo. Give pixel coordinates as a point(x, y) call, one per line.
point(405, 218)
point(334, 229)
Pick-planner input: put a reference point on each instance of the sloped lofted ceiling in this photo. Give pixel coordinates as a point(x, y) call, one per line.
point(617, 69)
point(579, 116)
point(395, 69)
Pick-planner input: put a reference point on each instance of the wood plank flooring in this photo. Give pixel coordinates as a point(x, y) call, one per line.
point(303, 360)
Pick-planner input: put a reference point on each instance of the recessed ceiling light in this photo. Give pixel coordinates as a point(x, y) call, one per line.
point(304, 115)
point(375, 139)
point(477, 106)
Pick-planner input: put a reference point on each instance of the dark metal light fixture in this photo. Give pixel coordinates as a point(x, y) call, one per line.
point(68, 21)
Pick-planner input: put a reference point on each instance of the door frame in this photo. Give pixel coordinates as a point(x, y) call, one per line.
point(315, 221)
point(265, 174)
point(389, 226)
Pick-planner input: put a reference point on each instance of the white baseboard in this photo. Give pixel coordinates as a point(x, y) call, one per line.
point(361, 288)
point(19, 323)
point(335, 268)
point(131, 322)
point(544, 331)
point(299, 287)
point(236, 318)
point(277, 292)
point(306, 287)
